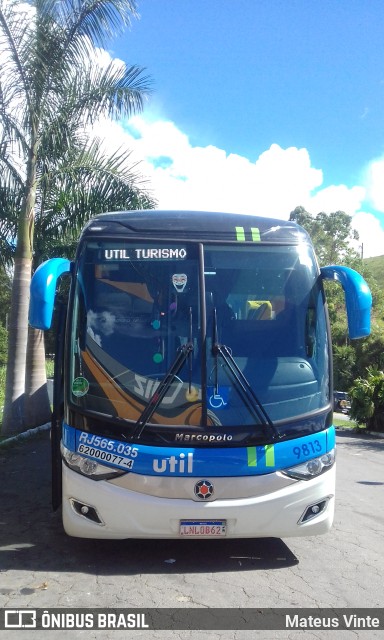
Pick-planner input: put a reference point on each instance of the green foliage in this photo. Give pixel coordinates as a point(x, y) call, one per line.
point(376, 266)
point(54, 86)
point(3, 345)
point(49, 366)
point(332, 235)
point(62, 86)
point(367, 400)
point(3, 370)
point(343, 366)
point(81, 183)
point(5, 296)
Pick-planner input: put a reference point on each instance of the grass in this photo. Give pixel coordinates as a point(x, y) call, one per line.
point(376, 265)
point(2, 386)
point(49, 366)
point(348, 424)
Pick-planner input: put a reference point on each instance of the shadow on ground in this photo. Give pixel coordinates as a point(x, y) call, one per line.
point(366, 441)
point(32, 538)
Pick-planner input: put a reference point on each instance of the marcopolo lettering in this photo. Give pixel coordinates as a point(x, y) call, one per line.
point(203, 437)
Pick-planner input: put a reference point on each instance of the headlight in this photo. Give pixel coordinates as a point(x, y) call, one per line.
point(88, 467)
point(311, 468)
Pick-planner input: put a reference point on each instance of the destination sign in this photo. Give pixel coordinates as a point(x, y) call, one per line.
point(146, 253)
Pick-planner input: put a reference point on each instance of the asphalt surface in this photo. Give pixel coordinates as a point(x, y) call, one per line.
point(41, 567)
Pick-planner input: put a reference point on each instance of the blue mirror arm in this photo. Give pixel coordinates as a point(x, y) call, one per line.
point(358, 298)
point(43, 291)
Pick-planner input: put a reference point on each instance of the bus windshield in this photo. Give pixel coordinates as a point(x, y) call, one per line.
point(232, 336)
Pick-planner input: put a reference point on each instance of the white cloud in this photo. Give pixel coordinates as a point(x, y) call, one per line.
point(371, 227)
point(337, 198)
point(207, 178)
point(375, 183)
point(371, 233)
point(183, 176)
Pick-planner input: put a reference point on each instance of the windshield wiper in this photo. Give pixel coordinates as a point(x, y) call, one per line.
point(182, 354)
point(248, 395)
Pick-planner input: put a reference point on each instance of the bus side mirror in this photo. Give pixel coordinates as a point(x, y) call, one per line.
point(43, 290)
point(358, 298)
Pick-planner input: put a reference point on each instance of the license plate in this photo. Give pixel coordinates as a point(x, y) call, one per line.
point(203, 528)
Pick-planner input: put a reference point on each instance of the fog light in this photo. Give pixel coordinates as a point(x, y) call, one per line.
point(87, 511)
point(314, 510)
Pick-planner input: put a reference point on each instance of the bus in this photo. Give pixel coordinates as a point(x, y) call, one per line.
point(193, 389)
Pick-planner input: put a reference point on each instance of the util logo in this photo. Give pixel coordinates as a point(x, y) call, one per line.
point(174, 464)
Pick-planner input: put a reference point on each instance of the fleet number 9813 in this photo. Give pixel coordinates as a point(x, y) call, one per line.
point(307, 449)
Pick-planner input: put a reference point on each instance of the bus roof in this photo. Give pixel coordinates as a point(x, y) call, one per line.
point(195, 225)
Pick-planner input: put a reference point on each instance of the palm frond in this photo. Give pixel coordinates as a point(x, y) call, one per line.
point(84, 183)
point(98, 20)
point(115, 91)
point(10, 200)
point(10, 168)
point(63, 87)
point(16, 34)
point(70, 30)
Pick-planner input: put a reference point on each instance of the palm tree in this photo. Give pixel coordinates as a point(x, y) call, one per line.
point(77, 186)
point(49, 89)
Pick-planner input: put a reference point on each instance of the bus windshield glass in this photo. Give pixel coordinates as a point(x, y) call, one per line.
point(252, 317)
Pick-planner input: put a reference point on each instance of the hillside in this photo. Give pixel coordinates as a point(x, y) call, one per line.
point(376, 266)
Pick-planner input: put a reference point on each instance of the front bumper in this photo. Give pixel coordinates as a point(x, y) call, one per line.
point(126, 513)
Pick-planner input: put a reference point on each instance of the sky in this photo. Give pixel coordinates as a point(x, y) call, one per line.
point(259, 106)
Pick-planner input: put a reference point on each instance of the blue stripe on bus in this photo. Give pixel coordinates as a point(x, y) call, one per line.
point(200, 462)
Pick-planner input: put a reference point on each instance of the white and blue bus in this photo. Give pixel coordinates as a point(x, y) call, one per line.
point(193, 378)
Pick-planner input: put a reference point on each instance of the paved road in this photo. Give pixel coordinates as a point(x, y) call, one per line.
point(41, 567)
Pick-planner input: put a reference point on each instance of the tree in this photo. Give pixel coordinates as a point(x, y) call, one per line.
point(49, 87)
point(367, 400)
point(76, 187)
point(333, 237)
point(344, 359)
point(79, 183)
